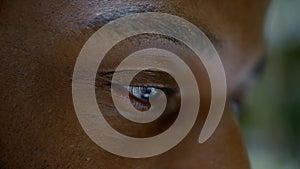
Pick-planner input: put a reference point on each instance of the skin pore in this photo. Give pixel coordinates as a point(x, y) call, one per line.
point(40, 41)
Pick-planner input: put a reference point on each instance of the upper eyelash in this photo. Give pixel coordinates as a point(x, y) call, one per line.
point(106, 76)
point(167, 90)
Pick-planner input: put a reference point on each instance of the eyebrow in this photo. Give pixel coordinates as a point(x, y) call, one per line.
point(108, 16)
point(103, 18)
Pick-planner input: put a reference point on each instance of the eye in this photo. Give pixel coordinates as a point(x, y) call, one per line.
point(146, 84)
point(142, 93)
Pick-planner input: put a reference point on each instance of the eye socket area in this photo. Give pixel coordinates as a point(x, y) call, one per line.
point(246, 84)
point(130, 96)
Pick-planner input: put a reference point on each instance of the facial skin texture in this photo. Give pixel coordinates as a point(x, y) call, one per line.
point(40, 41)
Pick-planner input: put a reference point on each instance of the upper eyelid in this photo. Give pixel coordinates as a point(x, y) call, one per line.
point(107, 77)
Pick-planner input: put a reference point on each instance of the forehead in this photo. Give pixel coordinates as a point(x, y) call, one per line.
point(204, 10)
point(219, 17)
point(234, 26)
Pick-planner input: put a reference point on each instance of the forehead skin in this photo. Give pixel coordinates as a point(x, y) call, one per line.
point(40, 41)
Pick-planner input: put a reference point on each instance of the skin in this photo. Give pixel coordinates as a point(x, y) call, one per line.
point(40, 42)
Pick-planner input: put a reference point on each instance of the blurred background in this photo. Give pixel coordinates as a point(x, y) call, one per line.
point(270, 118)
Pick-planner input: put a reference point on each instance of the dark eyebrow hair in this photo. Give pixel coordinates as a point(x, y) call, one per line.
point(108, 16)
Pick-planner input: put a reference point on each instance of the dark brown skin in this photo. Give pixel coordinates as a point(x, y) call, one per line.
point(40, 41)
